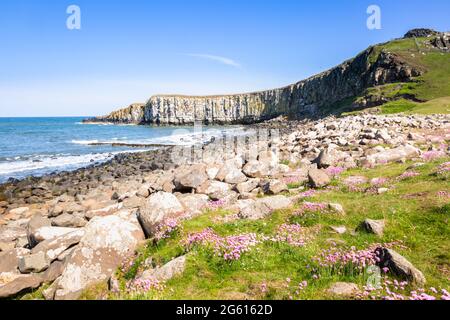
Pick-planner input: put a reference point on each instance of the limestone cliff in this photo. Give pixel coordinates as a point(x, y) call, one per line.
point(308, 98)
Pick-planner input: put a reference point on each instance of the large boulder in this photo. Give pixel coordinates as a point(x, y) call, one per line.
point(193, 203)
point(248, 186)
point(12, 233)
point(251, 209)
point(268, 158)
point(400, 266)
point(53, 248)
point(191, 177)
point(159, 207)
point(235, 176)
point(391, 155)
point(318, 178)
point(34, 224)
point(49, 233)
point(107, 242)
point(257, 169)
point(167, 271)
point(274, 187)
point(260, 208)
point(231, 172)
point(19, 284)
point(373, 226)
point(34, 263)
point(67, 220)
point(216, 190)
point(276, 202)
point(325, 159)
point(343, 289)
point(9, 260)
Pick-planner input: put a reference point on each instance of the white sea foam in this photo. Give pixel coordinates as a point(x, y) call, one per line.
point(46, 164)
point(84, 142)
point(184, 138)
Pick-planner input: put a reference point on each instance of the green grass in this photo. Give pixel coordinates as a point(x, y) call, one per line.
point(413, 213)
point(433, 87)
point(398, 106)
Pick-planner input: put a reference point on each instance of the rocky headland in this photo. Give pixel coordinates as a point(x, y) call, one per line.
point(314, 97)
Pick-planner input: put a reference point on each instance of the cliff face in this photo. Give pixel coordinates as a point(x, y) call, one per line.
point(307, 98)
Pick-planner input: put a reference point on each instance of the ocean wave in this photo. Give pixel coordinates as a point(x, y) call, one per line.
point(45, 164)
point(84, 142)
point(183, 139)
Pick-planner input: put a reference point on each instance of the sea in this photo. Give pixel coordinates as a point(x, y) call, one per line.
point(40, 146)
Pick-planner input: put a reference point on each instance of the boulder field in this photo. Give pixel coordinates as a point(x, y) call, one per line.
point(71, 231)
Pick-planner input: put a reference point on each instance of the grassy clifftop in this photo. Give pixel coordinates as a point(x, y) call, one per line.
point(429, 93)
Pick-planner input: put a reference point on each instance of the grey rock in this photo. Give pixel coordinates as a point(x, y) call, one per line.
point(191, 177)
point(49, 233)
point(373, 226)
point(36, 223)
point(67, 220)
point(339, 229)
point(168, 271)
point(325, 159)
point(54, 247)
point(400, 266)
point(107, 242)
point(336, 208)
point(20, 284)
point(216, 190)
point(157, 208)
point(248, 186)
point(34, 263)
point(53, 272)
point(318, 178)
point(193, 203)
point(256, 169)
point(6, 246)
point(9, 260)
point(392, 155)
point(274, 187)
point(343, 289)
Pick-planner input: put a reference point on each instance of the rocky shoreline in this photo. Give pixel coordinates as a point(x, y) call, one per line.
point(73, 230)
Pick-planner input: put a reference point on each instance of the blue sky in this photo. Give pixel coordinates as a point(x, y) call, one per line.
point(127, 51)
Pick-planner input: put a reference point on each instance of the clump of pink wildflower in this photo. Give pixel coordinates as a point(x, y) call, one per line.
point(443, 194)
point(291, 179)
point(292, 234)
point(166, 229)
point(443, 168)
point(311, 207)
point(334, 171)
point(433, 155)
point(348, 261)
point(139, 286)
point(399, 290)
point(407, 175)
point(307, 194)
point(380, 181)
point(229, 248)
point(216, 204)
point(355, 180)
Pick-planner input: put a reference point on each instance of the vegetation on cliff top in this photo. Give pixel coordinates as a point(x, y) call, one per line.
point(429, 93)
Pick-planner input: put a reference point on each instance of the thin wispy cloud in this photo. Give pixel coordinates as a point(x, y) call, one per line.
point(222, 60)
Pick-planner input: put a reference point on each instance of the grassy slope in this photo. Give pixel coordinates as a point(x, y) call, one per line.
point(431, 87)
point(420, 221)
